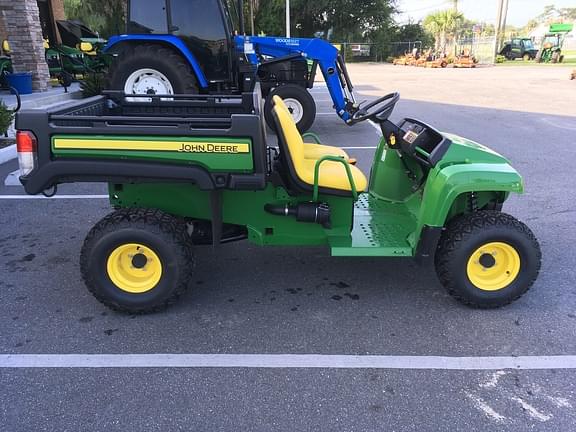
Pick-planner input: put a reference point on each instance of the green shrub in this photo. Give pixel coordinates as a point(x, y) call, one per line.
point(500, 59)
point(93, 84)
point(6, 118)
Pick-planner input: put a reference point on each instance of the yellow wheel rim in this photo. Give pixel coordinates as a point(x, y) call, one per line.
point(493, 266)
point(134, 268)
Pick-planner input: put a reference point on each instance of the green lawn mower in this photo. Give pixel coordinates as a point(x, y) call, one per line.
point(189, 171)
point(79, 54)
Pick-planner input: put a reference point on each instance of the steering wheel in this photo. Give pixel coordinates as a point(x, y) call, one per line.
point(378, 110)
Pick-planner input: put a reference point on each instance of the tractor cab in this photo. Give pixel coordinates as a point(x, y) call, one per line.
point(204, 27)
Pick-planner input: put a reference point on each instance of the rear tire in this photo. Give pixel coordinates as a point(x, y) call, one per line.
point(487, 259)
point(167, 71)
point(137, 260)
point(302, 100)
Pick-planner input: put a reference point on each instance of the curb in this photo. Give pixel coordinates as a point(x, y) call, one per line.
point(8, 153)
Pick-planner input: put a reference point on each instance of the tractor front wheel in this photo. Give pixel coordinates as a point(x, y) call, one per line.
point(300, 103)
point(487, 259)
point(137, 260)
point(151, 69)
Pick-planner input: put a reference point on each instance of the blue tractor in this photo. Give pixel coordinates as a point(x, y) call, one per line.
point(199, 46)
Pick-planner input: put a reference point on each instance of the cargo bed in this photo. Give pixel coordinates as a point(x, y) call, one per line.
point(120, 139)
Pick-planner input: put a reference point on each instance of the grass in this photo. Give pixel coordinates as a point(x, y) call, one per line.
point(569, 60)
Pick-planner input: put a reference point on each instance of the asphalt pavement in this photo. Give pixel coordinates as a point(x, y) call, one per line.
point(247, 300)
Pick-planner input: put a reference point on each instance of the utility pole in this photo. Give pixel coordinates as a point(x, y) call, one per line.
point(287, 18)
point(497, 26)
point(455, 2)
point(503, 26)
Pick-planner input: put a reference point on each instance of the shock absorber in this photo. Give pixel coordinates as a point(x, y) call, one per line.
point(472, 202)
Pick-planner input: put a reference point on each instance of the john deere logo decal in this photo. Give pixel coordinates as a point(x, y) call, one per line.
point(213, 148)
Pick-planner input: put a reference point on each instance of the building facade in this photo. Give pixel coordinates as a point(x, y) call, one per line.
point(25, 24)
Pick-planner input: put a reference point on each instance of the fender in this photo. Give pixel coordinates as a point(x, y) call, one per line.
point(171, 40)
point(443, 188)
point(446, 184)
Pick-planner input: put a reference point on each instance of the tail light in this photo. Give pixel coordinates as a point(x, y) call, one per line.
point(26, 145)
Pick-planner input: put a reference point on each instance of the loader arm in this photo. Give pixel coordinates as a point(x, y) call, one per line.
point(323, 53)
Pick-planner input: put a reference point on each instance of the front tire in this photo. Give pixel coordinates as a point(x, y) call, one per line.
point(487, 259)
point(137, 260)
point(151, 69)
point(298, 100)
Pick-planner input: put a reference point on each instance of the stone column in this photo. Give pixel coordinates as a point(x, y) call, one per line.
point(22, 22)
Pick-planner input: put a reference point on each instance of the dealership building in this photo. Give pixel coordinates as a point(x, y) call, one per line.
point(25, 24)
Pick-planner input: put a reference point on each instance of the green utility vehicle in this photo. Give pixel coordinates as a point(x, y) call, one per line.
point(522, 48)
point(191, 170)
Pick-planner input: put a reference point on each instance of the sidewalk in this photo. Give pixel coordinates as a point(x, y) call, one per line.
point(53, 96)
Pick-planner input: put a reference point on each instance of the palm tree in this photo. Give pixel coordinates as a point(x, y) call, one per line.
point(443, 25)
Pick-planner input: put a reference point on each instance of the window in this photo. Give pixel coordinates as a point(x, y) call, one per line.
point(233, 16)
point(147, 16)
point(202, 26)
point(199, 19)
point(528, 44)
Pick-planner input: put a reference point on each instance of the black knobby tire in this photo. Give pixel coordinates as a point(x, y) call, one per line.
point(166, 235)
point(151, 56)
point(291, 91)
point(467, 233)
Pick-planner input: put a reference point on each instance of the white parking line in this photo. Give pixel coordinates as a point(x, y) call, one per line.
point(283, 361)
point(42, 197)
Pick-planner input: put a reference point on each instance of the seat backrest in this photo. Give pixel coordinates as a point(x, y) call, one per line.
point(290, 134)
point(290, 142)
point(287, 127)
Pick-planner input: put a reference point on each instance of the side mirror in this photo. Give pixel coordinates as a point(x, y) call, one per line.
point(86, 47)
point(6, 47)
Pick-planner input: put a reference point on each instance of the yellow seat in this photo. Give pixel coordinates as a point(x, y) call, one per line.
point(331, 175)
point(316, 151)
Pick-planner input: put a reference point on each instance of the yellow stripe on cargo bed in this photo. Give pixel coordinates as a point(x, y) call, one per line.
point(150, 145)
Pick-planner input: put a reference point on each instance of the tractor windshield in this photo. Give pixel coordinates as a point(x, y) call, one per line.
point(551, 40)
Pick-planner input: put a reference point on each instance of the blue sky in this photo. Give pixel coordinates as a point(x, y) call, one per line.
point(519, 11)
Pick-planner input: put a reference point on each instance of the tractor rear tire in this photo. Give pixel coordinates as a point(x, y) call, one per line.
point(487, 259)
point(137, 260)
point(165, 67)
point(296, 97)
